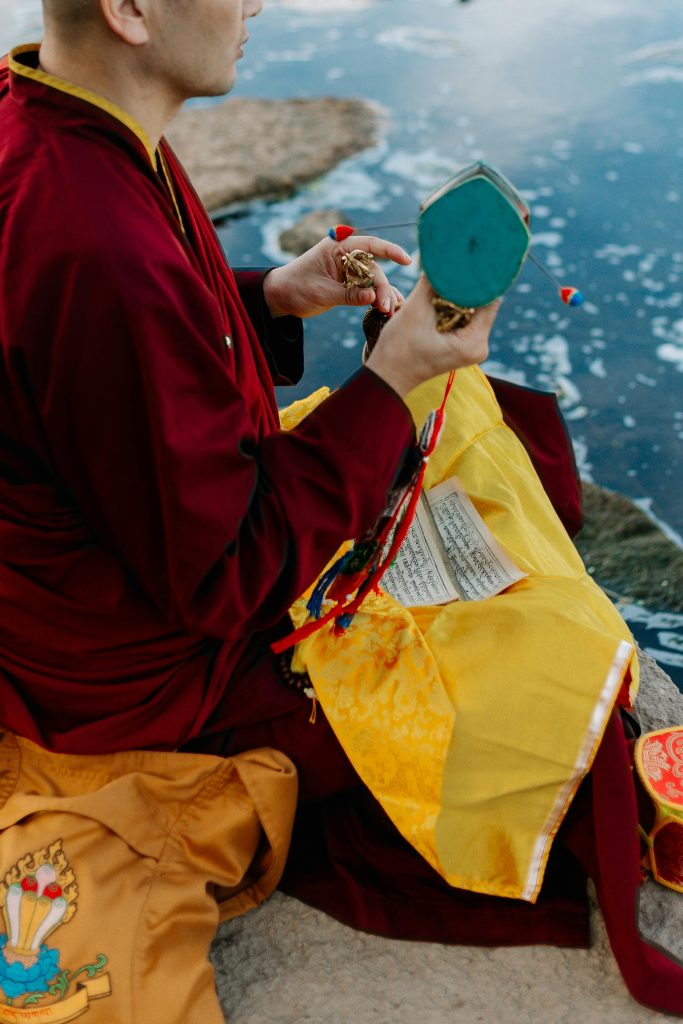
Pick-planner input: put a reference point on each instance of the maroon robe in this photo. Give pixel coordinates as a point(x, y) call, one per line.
point(155, 525)
point(153, 518)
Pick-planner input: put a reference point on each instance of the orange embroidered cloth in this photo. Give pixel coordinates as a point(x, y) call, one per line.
point(115, 871)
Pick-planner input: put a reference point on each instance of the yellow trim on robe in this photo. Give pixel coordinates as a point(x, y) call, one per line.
point(163, 170)
point(474, 722)
point(81, 93)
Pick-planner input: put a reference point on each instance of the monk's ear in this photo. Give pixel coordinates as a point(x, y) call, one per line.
point(127, 19)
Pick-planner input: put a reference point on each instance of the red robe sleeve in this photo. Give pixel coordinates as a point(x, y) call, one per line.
point(157, 439)
point(281, 338)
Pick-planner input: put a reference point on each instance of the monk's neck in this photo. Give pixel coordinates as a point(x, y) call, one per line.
point(120, 81)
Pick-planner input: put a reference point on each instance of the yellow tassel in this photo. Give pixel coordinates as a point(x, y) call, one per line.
point(310, 693)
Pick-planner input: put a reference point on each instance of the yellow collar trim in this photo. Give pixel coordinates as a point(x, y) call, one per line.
point(81, 93)
point(163, 167)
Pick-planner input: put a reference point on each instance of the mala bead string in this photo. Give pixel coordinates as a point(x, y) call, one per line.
point(299, 681)
point(294, 680)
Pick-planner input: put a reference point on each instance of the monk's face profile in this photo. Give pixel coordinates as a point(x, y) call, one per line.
point(195, 45)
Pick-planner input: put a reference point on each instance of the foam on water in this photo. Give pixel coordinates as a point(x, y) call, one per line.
point(427, 169)
point(671, 49)
point(655, 76)
point(660, 634)
point(348, 186)
point(305, 53)
point(498, 369)
point(325, 6)
point(550, 239)
point(671, 334)
point(427, 41)
point(645, 505)
point(671, 354)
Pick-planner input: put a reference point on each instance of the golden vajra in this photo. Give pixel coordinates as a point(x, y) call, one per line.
point(356, 269)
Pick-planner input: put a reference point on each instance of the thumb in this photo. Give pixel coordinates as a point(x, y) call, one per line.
point(360, 296)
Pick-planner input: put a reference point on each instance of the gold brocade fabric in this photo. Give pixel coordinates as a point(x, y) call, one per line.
point(474, 722)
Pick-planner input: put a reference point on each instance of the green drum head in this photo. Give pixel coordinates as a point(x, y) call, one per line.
point(473, 237)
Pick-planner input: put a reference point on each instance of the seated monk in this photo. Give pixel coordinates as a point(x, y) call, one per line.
point(461, 767)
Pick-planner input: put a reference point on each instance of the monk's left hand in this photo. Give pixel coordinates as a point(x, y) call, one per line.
point(312, 283)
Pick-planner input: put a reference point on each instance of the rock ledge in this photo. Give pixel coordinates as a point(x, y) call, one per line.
point(241, 149)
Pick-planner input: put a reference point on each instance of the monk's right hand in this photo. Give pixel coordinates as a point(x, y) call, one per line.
point(410, 350)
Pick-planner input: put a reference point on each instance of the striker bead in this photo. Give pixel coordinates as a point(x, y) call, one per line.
point(341, 232)
point(571, 296)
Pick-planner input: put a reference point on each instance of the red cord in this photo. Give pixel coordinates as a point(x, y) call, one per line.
point(401, 531)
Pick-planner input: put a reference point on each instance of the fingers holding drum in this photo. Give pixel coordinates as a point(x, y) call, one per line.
point(410, 348)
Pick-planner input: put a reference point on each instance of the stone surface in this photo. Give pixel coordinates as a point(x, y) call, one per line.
point(286, 963)
point(309, 230)
point(241, 149)
point(628, 553)
point(659, 702)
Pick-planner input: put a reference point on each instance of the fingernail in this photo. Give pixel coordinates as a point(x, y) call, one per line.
point(386, 305)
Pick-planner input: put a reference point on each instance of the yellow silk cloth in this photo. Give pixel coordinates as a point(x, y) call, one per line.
point(474, 722)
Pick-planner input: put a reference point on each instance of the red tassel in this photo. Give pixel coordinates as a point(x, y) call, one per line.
point(303, 632)
point(342, 588)
point(343, 231)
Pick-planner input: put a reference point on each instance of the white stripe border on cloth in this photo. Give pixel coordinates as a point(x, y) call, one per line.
point(595, 730)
